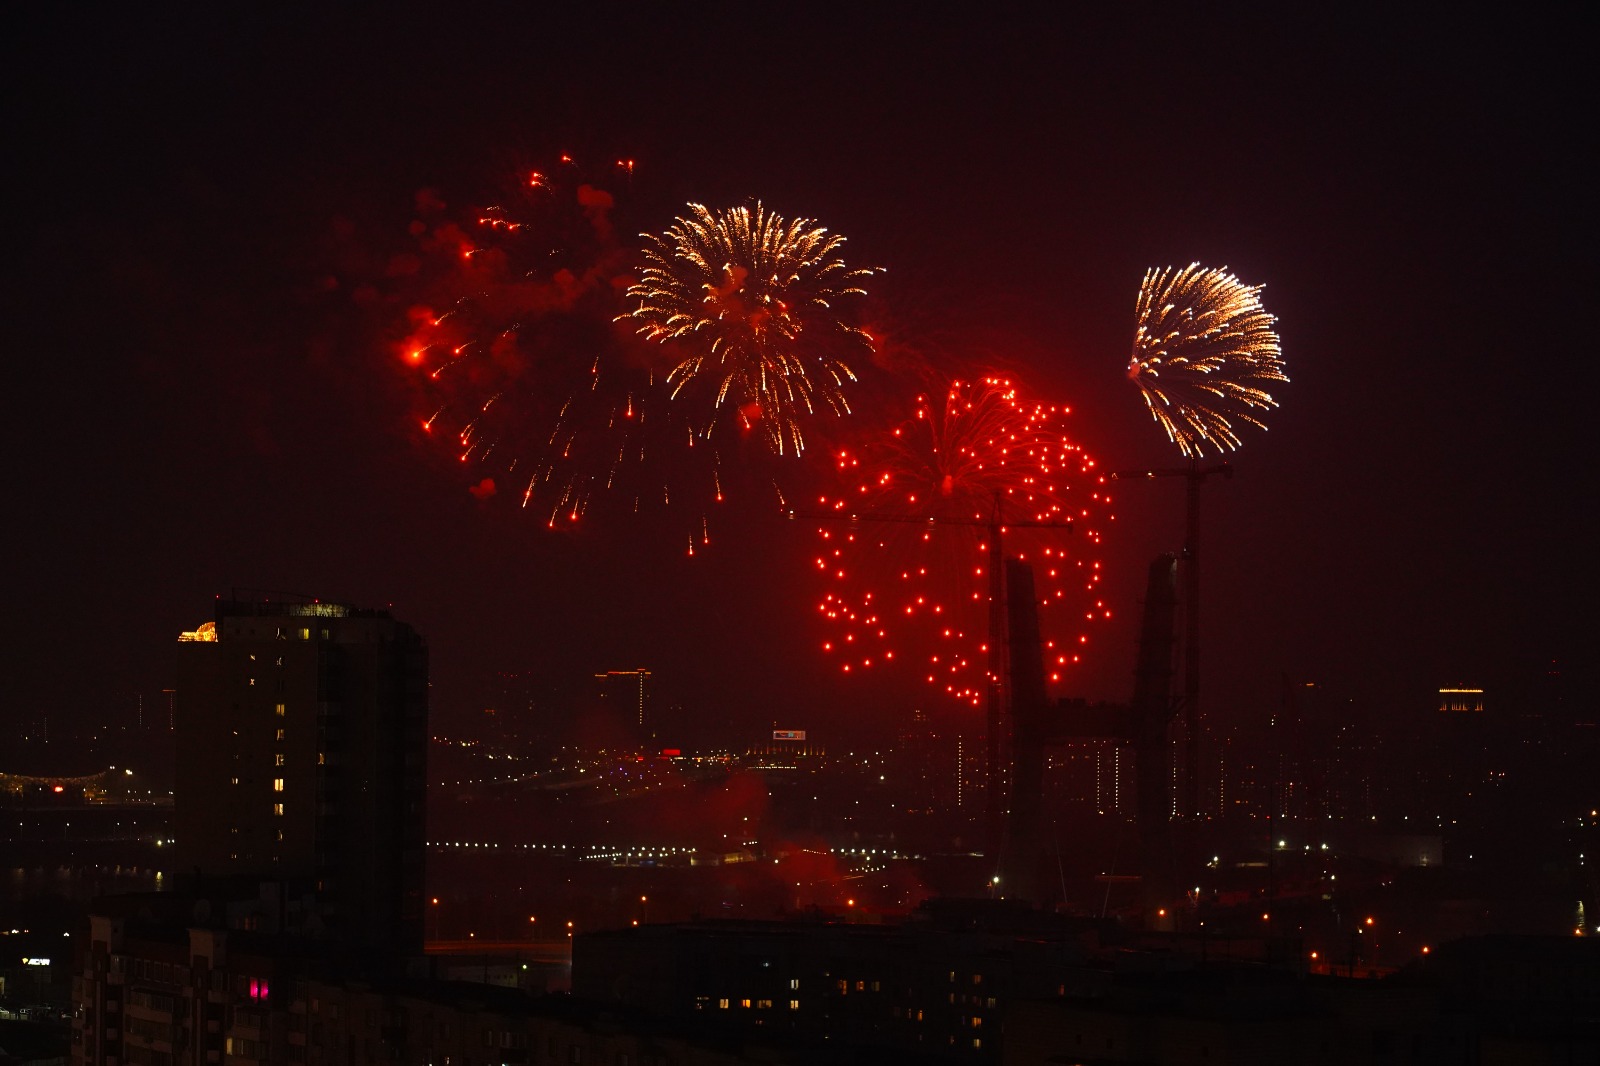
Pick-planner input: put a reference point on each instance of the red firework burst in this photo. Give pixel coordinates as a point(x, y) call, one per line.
point(907, 563)
point(526, 378)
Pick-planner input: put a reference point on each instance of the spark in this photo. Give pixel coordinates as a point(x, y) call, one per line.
point(1203, 349)
point(748, 298)
point(525, 373)
point(907, 578)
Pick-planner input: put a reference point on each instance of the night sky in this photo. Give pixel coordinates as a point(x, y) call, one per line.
point(193, 406)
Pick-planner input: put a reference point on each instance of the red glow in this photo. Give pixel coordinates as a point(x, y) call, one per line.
point(558, 430)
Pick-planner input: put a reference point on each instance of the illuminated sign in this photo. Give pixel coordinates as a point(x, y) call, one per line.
point(788, 734)
point(671, 753)
point(35, 962)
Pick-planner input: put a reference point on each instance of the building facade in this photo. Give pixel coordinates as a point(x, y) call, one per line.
point(302, 733)
point(628, 693)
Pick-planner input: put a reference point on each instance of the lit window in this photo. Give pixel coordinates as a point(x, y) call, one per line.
point(233, 780)
point(277, 760)
point(278, 710)
point(744, 1003)
point(280, 734)
point(321, 758)
point(763, 1004)
point(277, 808)
point(794, 1004)
point(305, 634)
point(277, 784)
point(794, 982)
point(722, 1003)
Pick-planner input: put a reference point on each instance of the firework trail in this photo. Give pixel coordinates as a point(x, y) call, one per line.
point(907, 581)
point(748, 299)
point(522, 373)
point(1202, 351)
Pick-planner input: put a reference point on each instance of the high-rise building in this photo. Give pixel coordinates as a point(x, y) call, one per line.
point(302, 736)
point(627, 692)
point(1456, 699)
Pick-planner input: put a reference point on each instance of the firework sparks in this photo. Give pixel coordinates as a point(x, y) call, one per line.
point(907, 578)
point(751, 297)
point(526, 377)
point(1203, 349)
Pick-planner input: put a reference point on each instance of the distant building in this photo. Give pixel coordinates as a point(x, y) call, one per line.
point(935, 988)
point(302, 731)
point(628, 693)
point(1460, 700)
point(970, 984)
point(788, 749)
point(173, 993)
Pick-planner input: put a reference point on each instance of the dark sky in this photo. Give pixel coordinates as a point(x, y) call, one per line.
point(187, 411)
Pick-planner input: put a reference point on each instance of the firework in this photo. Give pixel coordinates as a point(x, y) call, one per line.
point(748, 298)
point(1202, 352)
point(906, 560)
point(523, 374)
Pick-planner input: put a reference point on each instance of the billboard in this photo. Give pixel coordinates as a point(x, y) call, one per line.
point(788, 734)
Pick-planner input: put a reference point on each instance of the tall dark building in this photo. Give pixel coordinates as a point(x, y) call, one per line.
point(302, 732)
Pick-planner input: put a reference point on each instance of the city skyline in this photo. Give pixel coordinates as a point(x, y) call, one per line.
point(198, 412)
